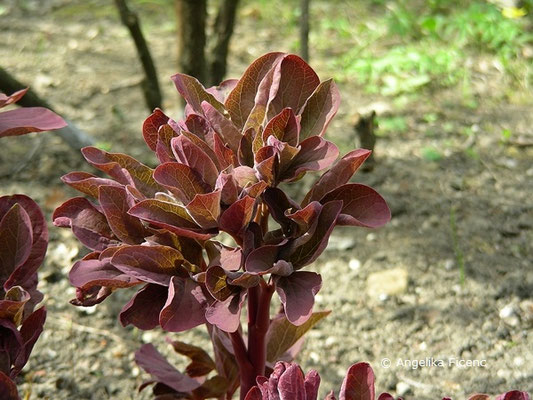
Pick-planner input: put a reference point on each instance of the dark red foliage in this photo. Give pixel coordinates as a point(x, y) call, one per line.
point(222, 169)
point(287, 381)
point(23, 243)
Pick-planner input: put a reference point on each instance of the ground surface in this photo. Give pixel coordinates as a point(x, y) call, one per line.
point(469, 208)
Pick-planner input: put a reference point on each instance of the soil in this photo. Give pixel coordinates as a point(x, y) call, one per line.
point(468, 210)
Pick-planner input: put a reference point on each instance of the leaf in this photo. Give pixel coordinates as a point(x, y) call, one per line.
point(31, 329)
point(312, 383)
point(194, 93)
point(298, 81)
point(284, 127)
point(170, 216)
point(477, 397)
point(163, 149)
point(307, 248)
point(254, 394)
point(225, 156)
point(241, 99)
point(124, 169)
point(116, 202)
point(282, 334)
point(514, 395)
point(12, 306)
point(24, 275)
point(226, 315)
point(185, 306)
point(291, 384)
point(279, 205)
point(8, 388)
point(13, 98)
point(245, 154)
point(142, 311)
point(201, 363)
point(181, 179)
point(91, 272)
point(149, 359)
point(264, 260)
point(224, 357)
point(338, 175)
point(362, 206)
point(151, 264)
point(297, 293)
point(358, 383)
point(237, 216)
point(87, 183)
point(16, 238)
point(205, 209)
point(229, 190)
point(306, 217)
point(151, 127)
point(223, 126)
point(197, 125)
point(319, 109)
point(87, 223)
point(315, 154)
point(186, 152)
point(29, 119)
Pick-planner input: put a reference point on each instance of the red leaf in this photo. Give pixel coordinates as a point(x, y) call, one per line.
point(181, 180)
point(29, 119)
point(298, 81)
point(223, 126)
point(124, 169)
point(338, 175)
point(284, 127)
point(186, 152)
point(185, 306)
point(24, 275)
point(16, 238)
point(8, 388)
point(291, 384)
point(87, 223)
point(297, 293)
point(142, 311)
point(201, 363)
point(152, 264)
point(241, 100)
point(362, 206)
point(170, 216)
point(149, 359)
point(194, 93)
point(151, 127)
point(205, 209)
point(87, 183)
point(319, 109)
point(226, 315)
point(13, 98)
point(237, 216)
point(358, 383)
point(315, 154)
point(116, 202)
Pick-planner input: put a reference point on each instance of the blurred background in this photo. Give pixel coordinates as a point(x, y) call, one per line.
point(441, 88)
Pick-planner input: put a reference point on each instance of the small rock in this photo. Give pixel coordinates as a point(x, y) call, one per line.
point(526, 308)
point(449, 264)
point(509, 315)
point(354, 264)
point(371, 237)
point(389, 282)
point(402, 388)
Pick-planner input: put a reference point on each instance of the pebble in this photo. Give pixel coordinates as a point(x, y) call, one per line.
point(402, 388)
point(389, 282)
point(341, 243)
point(509, 315)
point(449, 264)
point(354, 264)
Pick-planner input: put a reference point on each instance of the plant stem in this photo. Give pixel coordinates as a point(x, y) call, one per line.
point(247, 377)
point(258, 327)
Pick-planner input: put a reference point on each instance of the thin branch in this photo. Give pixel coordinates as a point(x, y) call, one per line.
point(222, 32)
point(304, 29)
point(152, 92)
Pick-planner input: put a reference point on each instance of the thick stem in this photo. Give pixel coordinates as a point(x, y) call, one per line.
point(247, 376)
point(258, 329)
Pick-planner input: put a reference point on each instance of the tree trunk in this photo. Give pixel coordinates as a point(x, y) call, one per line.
point(150, 85)
point(222, 32)
point(191, 16)
point(70, 134)
point(304, 29)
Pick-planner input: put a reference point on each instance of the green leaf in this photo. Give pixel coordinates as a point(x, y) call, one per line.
point(282, 335)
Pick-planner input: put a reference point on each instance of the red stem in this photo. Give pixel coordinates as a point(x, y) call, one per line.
point(258, 327)
point(245, 367)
